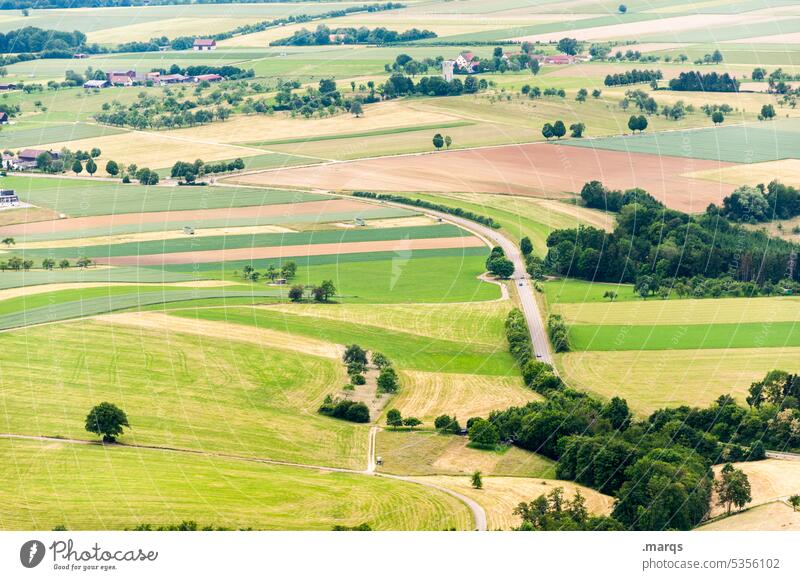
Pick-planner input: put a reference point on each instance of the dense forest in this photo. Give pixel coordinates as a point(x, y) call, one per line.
point(32, 39)
point(661, 245)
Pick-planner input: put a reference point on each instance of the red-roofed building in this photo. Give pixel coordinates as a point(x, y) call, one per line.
point(204, 44)
point(207, 78)
point(467, 62)
point(556, 59)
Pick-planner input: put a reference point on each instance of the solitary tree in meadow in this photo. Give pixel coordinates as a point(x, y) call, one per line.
point(438, 141)
point(477, 480)
point(525, 246)
point(108, 420)
point(717, 117)
point(356, 109)
point(733, 488)
point(8, 242)
point(448, 141)
point(112, 168)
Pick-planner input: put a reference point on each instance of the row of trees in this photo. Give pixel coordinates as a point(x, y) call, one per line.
point(188, 172)
point(287, 271)
point(708, 82)
point(15, 264)
point(400, 85)
point(456, 211)
point(321, 293)
point(633, 77)
point(323, 35)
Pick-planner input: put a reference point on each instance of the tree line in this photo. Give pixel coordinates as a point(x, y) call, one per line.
point(323, 35)
point(456, 211)
point(708, 82)
point(632, 77)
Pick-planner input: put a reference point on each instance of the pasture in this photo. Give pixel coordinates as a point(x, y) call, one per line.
point(175, 387)
point(776, 516)
point(88, 487)
point(770, 480)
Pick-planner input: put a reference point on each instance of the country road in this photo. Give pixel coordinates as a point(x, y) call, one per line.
point(525, 291)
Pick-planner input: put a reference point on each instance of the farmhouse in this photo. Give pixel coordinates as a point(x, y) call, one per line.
point(467, 62)
point(8, 197)
point(8, 87)
point(8, 161)
point(121, 78)
point(96, 84)
point(557, 59)
point(173, 79)
point(207, 78)
point(204, 44)
point(80, 55)
point(3, 118)
point(27, 157)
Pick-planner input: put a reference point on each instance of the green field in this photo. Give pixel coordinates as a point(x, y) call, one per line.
point(749, 143)
point(132, 275)
point(84, 487)
point(408, 351)
point(86, 197)
point(229, 242)
point(52, 134)
point(571, 291)
point(178, 390)
point(693, 336)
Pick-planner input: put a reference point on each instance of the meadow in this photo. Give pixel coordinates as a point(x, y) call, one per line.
point(87, 487)
point(174, 388)
point(408, 351)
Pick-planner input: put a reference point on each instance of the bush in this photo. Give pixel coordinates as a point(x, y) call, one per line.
point(483, 434)
point(345, 409)
point(358, 379)
point(387, 380)
point(447, 424)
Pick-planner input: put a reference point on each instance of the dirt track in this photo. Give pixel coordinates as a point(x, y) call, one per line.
point(539, 169)
point(188, 216)
point(290, 251)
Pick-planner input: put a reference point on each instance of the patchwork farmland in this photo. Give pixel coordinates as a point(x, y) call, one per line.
point(320, 256)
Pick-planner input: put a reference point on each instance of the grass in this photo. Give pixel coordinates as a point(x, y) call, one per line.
point(770, 479)
point(654, 379)
point(406, 350)
point(132, 275)
point(86, 197)
point(687, 337)
point(749, 143)
point(571, 291)
point(179, 390)
point(51, 133)
point(95, 488)
point(775, 516)
point(425, 452)
point(205, 243)
point(448, 275)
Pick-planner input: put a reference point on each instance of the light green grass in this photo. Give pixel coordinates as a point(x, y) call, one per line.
point(408, 351)
point(571, 291)
point(85, 487)
point(187, 391)
point(750, 143)
point(690, 336)
point(86, 197)
point(133, 275)
point(52, 134)
point(448, 275)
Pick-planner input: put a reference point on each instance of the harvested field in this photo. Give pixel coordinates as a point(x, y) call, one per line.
point(500, 495)
point(253, 129)
point(770, 480)
point(543, 170)
point(785, 170)
point(214, 256)
point(165, 324)
point(428, 395)
point(772, 517)
point(26, 214)
point(429, 453)
point(650, 380)
point(683, 312)
point(185, 216)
